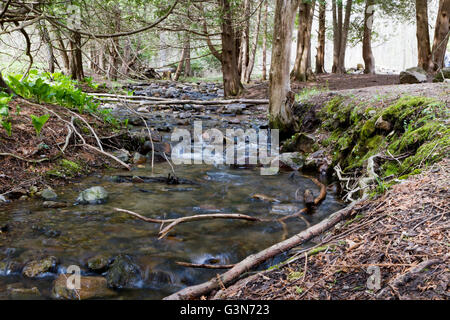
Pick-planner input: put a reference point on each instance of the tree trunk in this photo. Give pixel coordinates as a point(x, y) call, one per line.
point(441, 35)
point(181, 63)
point(306, 14)
point(63, 51)
point(187, 64)
point(251, 61)
point(344, 35)
point(127, 60)
point(423, 35)
point(369, 59)
point(320, 56)
point(76, 63)
point(245, 44)
point(264, 48)
point(281, 98)
point(114, 53)
point(337, 33)
point(48, 43)
point(231, 79)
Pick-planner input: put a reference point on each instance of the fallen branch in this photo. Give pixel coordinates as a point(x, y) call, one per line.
point(23, 159)
point(146, 101)
point(205, 266)
point(175, 222)
point(256, 259)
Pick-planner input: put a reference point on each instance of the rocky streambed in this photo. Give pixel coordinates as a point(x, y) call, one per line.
point(76, 226)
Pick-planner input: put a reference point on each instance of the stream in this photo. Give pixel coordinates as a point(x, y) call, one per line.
point(79, 233)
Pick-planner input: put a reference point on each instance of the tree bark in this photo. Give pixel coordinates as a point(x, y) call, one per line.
point(245, 43)
point(320, 56)
point(337, 33)
point(48, 43)
point(344, 37)
point(63, 51)
point(441, 35)
point(306, 14)
point(281, 98)
point(231, 79)
point(369, 59)
point(264, 48)
point(251, 61)
point(187, 64)
point(181, 63)
point(76, 63)
point(423, 35)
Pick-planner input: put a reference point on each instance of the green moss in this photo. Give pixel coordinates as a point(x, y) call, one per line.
point(66, 169)
point(413, 138)
point(406, 109)
point(367, 129)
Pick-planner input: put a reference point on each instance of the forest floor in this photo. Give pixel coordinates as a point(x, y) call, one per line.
point(403, 236)
point(29, 160)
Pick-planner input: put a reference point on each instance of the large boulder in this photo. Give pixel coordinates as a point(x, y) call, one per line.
point(123, 273)
point(442, 74)
point(90, 288)
point(94, 195)
point(413, 75)
point(37, 268)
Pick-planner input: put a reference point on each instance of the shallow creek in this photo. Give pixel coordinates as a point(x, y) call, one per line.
point(78, 233)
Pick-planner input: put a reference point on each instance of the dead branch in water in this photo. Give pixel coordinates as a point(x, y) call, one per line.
point(205, 266)
point(256, 259)
point(175, 222)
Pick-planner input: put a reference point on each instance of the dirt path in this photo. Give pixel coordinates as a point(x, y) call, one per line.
point(327, 82)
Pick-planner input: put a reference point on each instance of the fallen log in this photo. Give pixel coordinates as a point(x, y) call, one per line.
point(143, 101)
point(254, 260)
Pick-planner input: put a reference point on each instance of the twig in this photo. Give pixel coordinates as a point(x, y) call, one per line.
point(205, 266)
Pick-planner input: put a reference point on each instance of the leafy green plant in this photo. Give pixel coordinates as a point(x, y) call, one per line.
point(4, 112)
point(7, 126)
point(39, 122)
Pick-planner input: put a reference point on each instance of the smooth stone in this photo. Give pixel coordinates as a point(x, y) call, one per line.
point(94, 195)
point(90, 288)
point(49, 195)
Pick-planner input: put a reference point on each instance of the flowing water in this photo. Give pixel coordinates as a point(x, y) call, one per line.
point(77, 233)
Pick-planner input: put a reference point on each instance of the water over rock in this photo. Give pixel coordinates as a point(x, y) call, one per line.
point(123, 273)
point(37, 268)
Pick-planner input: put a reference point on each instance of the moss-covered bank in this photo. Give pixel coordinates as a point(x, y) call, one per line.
point(407, 134)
